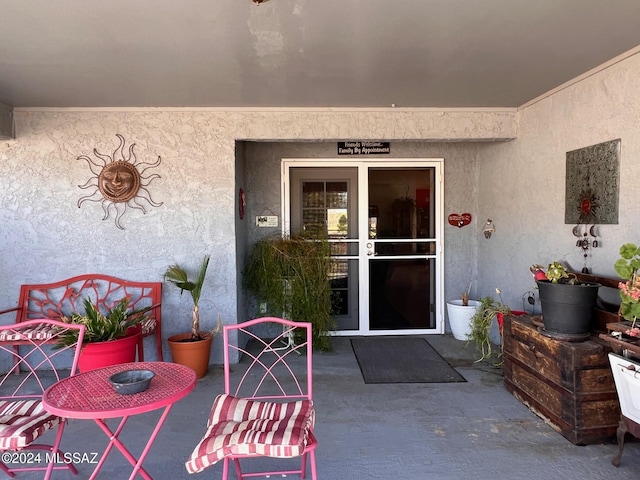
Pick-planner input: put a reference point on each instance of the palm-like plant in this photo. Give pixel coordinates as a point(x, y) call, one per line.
point(179, 277)
point(101, 327)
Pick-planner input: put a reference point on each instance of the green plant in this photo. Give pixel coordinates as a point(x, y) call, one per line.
point(178, 276)
point(481, 324)
point(291, 275)
point(627, 267)
point(101, 327)
point(557, 273)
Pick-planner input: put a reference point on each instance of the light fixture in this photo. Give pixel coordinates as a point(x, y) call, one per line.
point(258, 2)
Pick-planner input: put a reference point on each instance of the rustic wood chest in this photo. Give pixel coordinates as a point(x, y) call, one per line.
point(568, 384)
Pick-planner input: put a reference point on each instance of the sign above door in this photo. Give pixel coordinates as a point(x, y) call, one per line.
point(364, 148)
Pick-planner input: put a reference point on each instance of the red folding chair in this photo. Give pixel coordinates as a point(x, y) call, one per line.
point(267, 408)
point(23, 419)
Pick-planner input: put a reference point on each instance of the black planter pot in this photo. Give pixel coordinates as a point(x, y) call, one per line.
point(567, 310)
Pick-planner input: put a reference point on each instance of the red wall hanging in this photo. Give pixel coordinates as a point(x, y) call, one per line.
point(459, 219)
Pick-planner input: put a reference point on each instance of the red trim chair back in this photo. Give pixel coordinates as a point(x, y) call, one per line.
point(39, 357)
point(58, 299)
point(267, 408)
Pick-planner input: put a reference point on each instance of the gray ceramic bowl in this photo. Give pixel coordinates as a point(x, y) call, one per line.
point(131, 381)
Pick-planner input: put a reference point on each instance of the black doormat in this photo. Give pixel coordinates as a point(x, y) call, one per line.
point(401, 360)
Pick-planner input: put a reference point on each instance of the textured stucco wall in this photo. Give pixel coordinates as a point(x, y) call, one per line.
point(44, 236)
point(522, 183)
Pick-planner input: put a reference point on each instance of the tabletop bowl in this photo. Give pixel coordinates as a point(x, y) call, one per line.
point(131, 381)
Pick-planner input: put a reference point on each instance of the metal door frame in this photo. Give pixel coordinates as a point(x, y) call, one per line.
point(363, 227)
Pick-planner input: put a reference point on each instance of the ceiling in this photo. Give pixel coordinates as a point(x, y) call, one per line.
point(303, 53)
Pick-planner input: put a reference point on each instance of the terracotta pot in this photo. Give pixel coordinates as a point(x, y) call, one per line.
point(194, 355)
point(102, 354)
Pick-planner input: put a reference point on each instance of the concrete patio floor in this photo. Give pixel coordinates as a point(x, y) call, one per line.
point(471, 430)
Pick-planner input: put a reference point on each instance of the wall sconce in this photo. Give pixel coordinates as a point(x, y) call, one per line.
point(488, 229)
point(258, 2)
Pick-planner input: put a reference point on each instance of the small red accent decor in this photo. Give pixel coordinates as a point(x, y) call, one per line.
point(459, 219)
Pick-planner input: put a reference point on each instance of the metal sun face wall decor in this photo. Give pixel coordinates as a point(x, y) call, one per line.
point(119, 182)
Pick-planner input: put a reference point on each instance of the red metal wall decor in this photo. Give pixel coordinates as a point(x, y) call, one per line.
point(118, 184)
point(459, 219)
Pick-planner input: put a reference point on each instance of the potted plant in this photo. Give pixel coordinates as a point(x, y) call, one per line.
point(110, 338)
point(290, 276)
point(488, 312)
point(627, 267)
point(460, 312)
point(567, 304)
point(191, 349)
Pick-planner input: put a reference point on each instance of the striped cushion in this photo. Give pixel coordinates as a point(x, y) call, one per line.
point(40, 332)
point(148, 327)
point(247, 427)
point(22, 421)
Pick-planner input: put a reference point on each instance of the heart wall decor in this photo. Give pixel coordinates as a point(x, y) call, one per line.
point(459, 219)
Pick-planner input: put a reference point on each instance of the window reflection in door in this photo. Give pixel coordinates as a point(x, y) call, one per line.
point(324, 208)
point(325, 213)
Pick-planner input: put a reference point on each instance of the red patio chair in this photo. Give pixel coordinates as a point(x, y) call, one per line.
point(22, 416)
point(267, 408)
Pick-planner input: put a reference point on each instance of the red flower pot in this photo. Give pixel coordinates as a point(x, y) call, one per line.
point(102, 354)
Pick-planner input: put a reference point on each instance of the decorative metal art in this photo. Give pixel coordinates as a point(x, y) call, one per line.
point(592, 188)
point(587, 239)
point(117, 183)
point(592, 184)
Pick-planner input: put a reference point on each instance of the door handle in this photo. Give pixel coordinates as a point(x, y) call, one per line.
point(370, 250)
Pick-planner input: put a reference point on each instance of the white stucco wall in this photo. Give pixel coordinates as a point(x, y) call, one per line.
point(44, 236)
point(522, 183)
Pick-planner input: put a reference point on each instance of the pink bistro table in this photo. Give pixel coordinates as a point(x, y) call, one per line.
point(89, 395)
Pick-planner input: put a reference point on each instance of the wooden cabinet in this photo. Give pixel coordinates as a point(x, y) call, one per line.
point(568, 384)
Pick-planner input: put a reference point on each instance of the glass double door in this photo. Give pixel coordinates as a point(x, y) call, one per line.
point(383, 220)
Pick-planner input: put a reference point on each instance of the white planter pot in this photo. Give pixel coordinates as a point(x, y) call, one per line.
point(460, 317)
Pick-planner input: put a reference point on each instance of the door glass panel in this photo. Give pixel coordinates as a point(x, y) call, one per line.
point(324, 202)
point(339, 287)
point(324, 208)
point(400, 203)
point(401, 224)
point(312, 195)
point(405, 248)
point(399, 296)
point(344, 247)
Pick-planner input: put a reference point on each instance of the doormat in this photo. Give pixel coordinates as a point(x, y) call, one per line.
point(401, 360)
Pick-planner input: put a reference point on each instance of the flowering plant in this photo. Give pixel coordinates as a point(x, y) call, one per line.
point(481, 323)
point(627, 268)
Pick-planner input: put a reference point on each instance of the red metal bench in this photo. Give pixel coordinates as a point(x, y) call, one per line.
point(58, 299)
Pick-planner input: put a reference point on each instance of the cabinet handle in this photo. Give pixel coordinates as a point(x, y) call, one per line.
point(533, 350)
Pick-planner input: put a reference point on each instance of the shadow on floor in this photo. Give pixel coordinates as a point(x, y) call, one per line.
point(453, 431)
